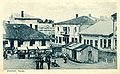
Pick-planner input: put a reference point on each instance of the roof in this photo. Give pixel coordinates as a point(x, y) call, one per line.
point(56, 45)
point(83, 20)
point(22, 31)
point(74, 45)
point(24, 18)
point(18, 15)
point(68, 44)
point(80, 47)
point(103, 27)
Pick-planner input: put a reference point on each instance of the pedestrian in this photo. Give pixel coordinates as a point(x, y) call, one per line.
point(28, 54)
point(5, 55)
point(65, 58)
point(37, 61)
point(37, 64)
point(48, 61)
point(41, 63)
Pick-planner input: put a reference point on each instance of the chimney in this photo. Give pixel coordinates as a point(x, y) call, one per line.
point(76, 15)
point(22, 13)
point(90, 15)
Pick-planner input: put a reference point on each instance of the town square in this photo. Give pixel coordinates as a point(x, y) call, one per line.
point(82, 41)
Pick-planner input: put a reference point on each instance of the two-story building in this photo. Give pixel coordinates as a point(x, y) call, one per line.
point(44, 26)
point(68, 31)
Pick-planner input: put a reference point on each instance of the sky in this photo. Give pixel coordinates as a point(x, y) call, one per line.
point(60, 10)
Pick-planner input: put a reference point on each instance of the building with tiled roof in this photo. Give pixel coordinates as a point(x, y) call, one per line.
point(22, 31)
point(67, 31)
point(21, 36)
point(82, 20)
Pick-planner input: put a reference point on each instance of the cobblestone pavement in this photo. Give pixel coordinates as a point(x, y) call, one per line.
point(30, 64)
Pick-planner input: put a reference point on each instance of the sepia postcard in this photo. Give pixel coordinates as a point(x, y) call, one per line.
point(59, 36)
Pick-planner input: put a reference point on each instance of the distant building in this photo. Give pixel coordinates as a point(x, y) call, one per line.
point(47, 28)
point(23, 18)
point(100, 35)
point(68, 31)
point(21, 36)
point(44, 26)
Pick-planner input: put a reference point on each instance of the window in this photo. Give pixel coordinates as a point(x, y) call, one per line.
point(5, 42)
point(53, 40)
point(109, 43)
point(104, 43)
point(84, 41)
point(96, 43)
point(52, 25)
point(115, 44)
point(80, 38)
point(63, 38)
point(72, 39)
point(20, 43)
point(36, 27)
point(76, 40)
point(11, 43)
point(60, 40)
point(67, 40)
point(79, 29)
point(91, 42)
point(65, 30)
point(43, 43)
point(32, 42)
point(56, 39)
point(87, 41)
point(31, 25)
point(75, 29)
point(58, 28)
point(68, 29)
point(101, 43)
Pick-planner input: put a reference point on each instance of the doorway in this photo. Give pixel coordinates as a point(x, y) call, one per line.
point(89, 55)
point(74, 54)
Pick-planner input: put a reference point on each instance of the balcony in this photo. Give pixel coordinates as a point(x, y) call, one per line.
point(64, 33)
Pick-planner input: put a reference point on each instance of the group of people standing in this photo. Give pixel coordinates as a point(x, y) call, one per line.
point(40, 60)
